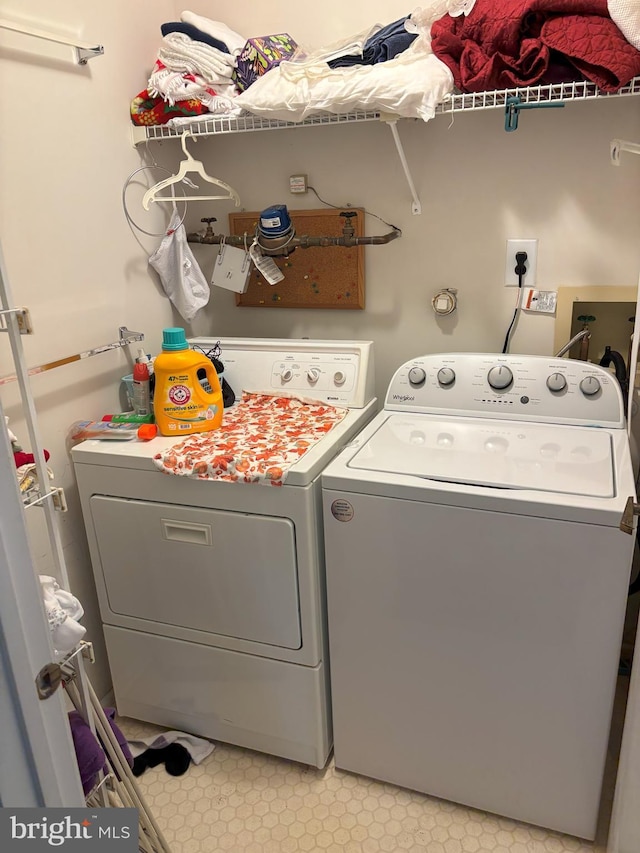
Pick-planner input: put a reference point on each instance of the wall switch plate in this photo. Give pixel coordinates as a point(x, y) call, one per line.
point(531, 264)
point(298, 183)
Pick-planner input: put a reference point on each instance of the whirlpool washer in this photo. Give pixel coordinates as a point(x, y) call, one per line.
point(212, 594)
point(477, 580)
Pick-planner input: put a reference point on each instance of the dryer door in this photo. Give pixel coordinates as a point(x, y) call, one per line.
point(226, 573)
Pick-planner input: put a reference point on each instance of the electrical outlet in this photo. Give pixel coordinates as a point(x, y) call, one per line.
point(531, 264)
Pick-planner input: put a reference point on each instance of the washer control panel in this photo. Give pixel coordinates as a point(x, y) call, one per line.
point(519, 387)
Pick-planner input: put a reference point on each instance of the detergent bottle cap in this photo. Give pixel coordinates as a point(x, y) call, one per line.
point(174, 339)
point(147, 431)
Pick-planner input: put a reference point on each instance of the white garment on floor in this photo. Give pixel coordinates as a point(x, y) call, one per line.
point(63, 611)
point(181, 277)
point(197, 747)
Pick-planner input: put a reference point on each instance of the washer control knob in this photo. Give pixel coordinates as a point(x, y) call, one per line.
point(286, 375)
point(339, 377)
point(446, 376)
point(590, 385)
point(417, 376)
point(556, 382)
point(313, 374)
point(500, 377)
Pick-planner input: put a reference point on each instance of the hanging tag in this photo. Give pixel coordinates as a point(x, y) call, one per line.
point(231, 269)
point(265, 265)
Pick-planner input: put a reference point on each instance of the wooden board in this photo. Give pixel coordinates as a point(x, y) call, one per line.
point(319, 277)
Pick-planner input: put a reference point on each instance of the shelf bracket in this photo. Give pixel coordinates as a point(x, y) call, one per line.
point(392, 121)
point(514, 105)
point(23, 319)
point(619, 145)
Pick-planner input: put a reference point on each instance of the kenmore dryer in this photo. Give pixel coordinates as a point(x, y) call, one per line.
point(212, 594)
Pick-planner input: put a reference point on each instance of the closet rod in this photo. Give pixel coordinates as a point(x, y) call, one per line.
point(126, 337)
point(84, 52)
point(619, 145)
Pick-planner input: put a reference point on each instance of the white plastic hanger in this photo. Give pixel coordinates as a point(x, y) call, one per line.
point(186, 166)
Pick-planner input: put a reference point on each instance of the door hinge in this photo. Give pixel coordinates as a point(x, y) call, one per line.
point(48, 680)
point(631, 508)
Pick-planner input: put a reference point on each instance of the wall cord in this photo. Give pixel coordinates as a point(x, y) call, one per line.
point(520, 270)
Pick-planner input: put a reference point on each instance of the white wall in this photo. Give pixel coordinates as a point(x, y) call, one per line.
point(70, 256)
point(551, 179)
point(74, 261)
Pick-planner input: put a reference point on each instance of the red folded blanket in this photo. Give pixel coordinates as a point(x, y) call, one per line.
point(510, 43)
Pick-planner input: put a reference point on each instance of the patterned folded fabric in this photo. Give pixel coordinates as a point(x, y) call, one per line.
point(258, 441)
point(147, 110)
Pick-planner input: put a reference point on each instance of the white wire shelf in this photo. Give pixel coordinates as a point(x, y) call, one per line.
point(215, 125)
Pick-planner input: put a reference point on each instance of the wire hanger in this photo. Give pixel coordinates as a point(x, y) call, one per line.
point(188, 165)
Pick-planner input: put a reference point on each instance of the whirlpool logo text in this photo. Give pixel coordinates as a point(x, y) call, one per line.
point(404, 398)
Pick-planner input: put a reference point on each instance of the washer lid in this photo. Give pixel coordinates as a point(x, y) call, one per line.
point(486, 452)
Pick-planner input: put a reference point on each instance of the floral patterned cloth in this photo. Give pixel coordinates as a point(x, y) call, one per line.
point(258, 441)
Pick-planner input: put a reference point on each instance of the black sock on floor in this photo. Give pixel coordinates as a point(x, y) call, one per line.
point(175, 757)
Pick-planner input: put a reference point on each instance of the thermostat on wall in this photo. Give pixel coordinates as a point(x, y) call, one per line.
point(445, 301)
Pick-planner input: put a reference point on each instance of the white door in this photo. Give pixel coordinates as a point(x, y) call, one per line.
point(37, 759)
point(624, 833)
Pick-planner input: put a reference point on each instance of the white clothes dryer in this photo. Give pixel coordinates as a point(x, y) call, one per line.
point(477, 579)
point(212, 594)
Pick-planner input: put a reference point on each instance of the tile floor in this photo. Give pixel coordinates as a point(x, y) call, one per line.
point(245, 802)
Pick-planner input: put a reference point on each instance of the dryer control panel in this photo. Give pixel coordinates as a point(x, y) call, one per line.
point(518, 387)
point(336, 372)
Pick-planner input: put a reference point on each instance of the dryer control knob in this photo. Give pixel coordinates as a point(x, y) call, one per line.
point(339, 377)
point(500, 377)
point(313, 374)
point(286, 375)
point(417, 376)
point(556, 382)
point(446, 376)
point(590, 385)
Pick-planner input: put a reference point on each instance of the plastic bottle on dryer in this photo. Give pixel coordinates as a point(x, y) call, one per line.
point(181, 405)
point(141, 389)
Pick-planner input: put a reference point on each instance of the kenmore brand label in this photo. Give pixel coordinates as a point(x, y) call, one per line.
point(76, 829)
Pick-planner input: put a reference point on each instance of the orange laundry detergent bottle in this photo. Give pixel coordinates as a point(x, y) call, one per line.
point(180, 404)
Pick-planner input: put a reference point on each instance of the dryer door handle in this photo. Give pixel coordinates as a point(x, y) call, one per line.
point(186, 531)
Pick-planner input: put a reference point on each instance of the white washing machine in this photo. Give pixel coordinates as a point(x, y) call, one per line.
point(477, 579)
point(212, 594)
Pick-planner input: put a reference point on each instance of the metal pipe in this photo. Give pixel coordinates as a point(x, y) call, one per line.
point(583, 333)
point(304, 242)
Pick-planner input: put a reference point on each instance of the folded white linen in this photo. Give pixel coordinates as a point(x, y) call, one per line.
point(625, 14)
point(234, 41)
point(182, 86)
point(180, 53)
